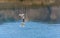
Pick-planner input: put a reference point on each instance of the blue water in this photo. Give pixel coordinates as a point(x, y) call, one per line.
point(31, 30)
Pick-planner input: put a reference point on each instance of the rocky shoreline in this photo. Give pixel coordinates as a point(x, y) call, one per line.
point(41, 14)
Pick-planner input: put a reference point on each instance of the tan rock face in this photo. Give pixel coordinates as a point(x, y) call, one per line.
point(30, 2)
point(4, 1)
point(17, 3)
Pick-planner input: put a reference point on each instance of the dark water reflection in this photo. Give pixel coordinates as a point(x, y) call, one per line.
point(43, 22)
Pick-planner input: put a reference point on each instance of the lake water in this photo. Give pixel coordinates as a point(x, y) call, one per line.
point(31, 30)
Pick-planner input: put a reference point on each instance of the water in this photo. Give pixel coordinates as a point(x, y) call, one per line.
point(31, 30)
